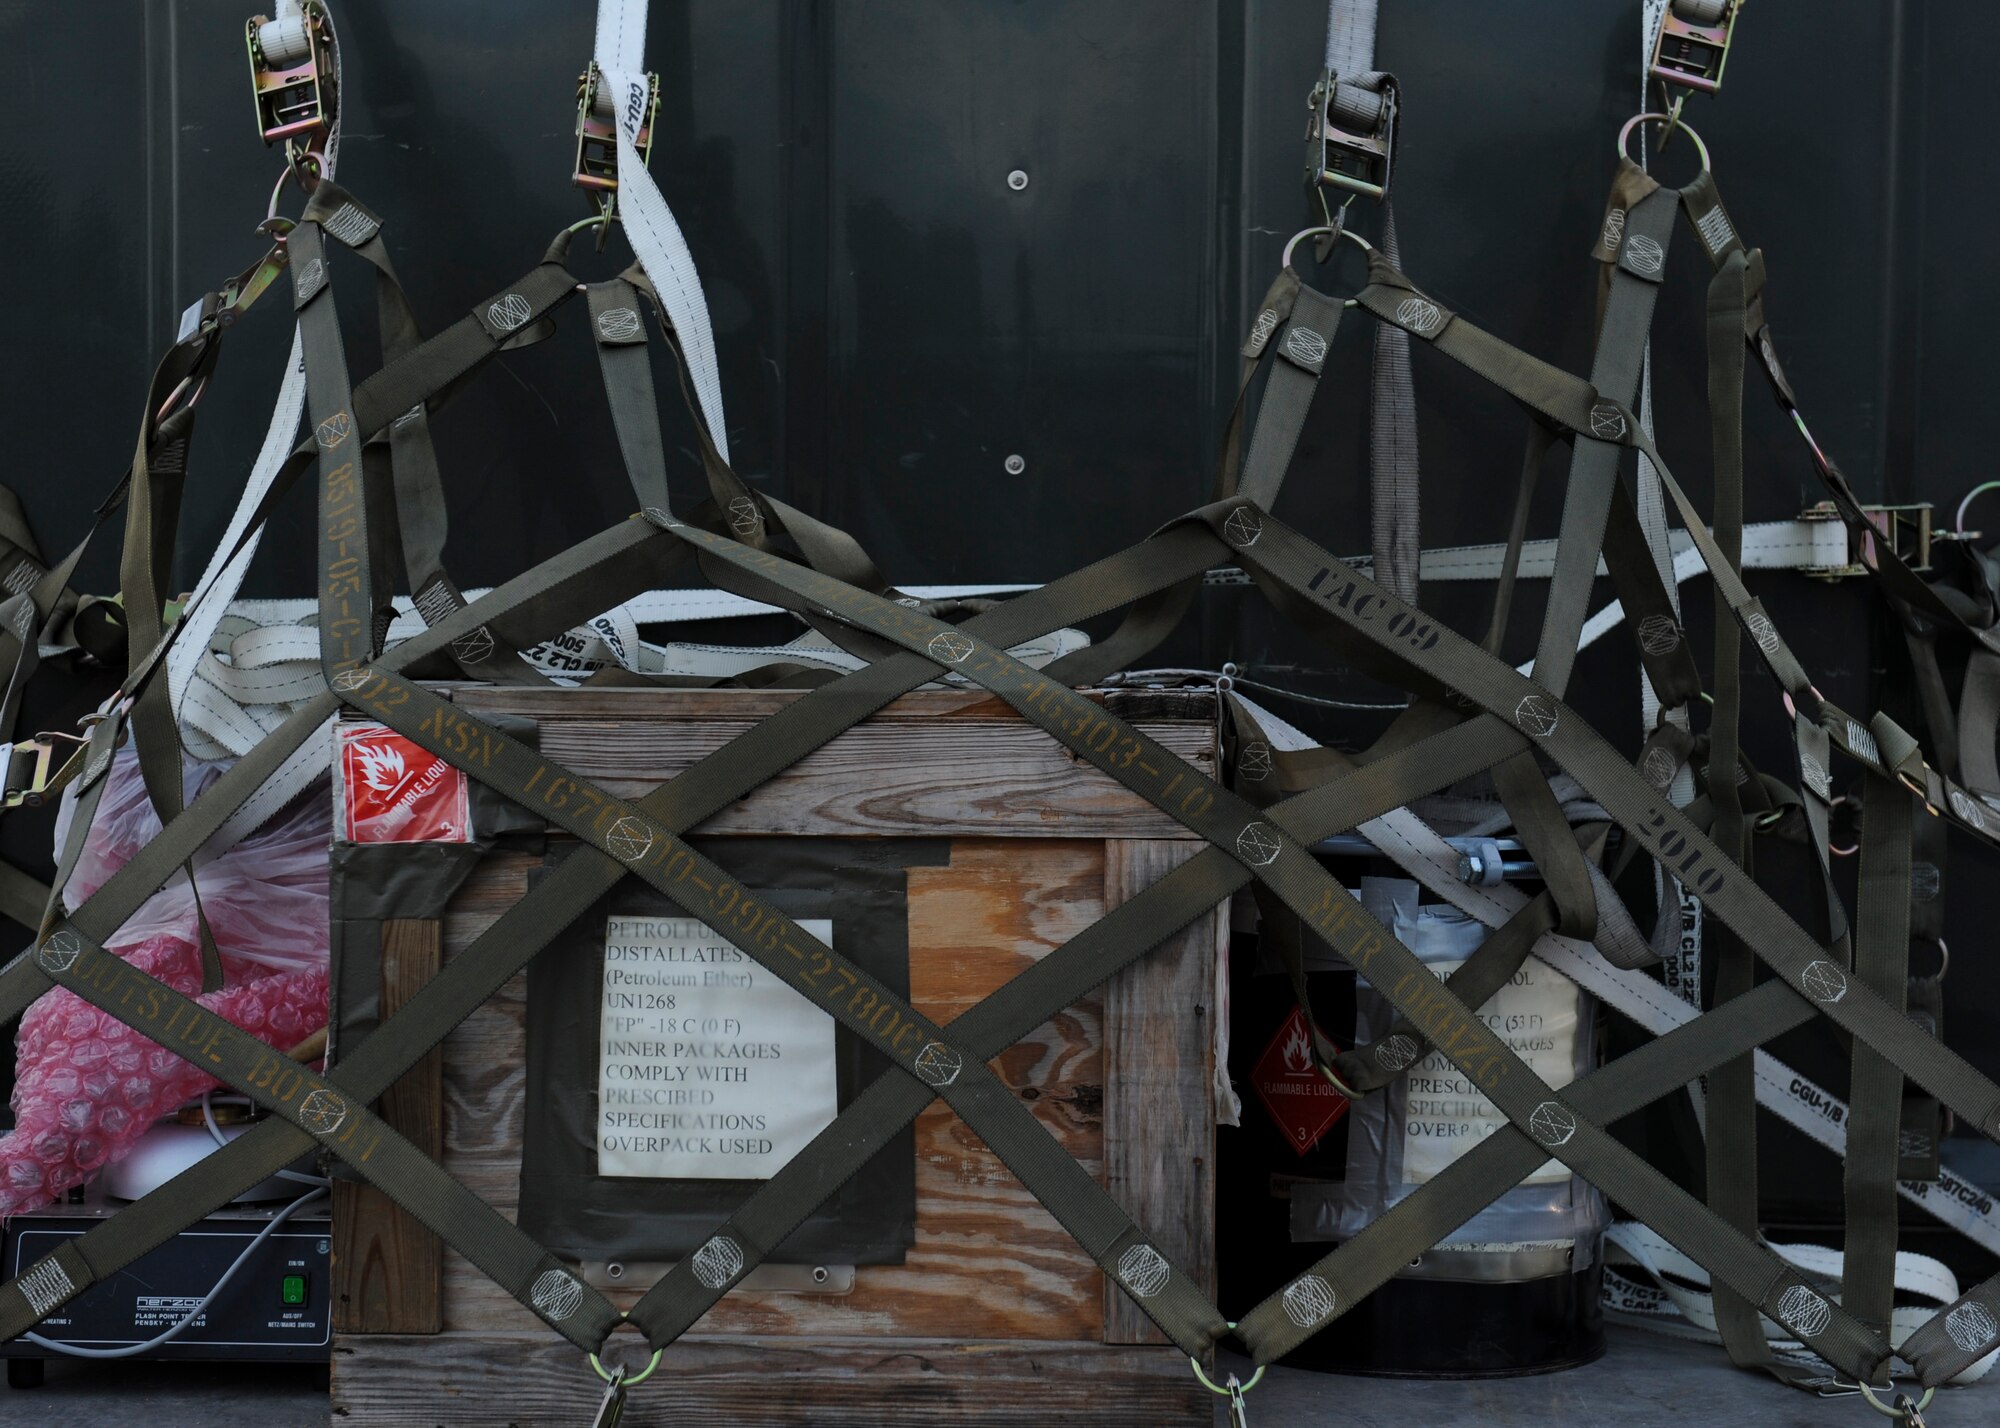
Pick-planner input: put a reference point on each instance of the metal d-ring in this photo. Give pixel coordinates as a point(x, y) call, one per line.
point(1852, 848)
point(1234, 1389)
point(638, 1378)
point(1892, 1409)
point(1654, 117)
point(294, 168)
point(1319, 231)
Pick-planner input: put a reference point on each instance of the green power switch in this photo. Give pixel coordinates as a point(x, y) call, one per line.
point(293, 1290)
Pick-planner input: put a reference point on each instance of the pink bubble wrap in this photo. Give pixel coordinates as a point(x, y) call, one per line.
point(88, 1086)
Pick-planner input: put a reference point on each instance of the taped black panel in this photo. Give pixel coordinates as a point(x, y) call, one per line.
point(857, 884)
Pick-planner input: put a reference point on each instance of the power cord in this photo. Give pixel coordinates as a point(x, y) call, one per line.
point(321, 1186)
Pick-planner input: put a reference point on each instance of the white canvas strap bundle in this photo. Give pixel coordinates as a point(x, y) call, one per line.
point(1648, 1284)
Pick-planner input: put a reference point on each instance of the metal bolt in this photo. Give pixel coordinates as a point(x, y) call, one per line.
point(1016, 465)
point(820, 1275)
point(614, 1271)
point(1017, 180)
point(1471, 868)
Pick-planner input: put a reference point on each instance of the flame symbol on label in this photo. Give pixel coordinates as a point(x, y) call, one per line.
point(382, 768)
point(1298, 1051)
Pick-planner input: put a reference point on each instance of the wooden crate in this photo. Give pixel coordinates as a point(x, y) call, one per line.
point(996, 1317)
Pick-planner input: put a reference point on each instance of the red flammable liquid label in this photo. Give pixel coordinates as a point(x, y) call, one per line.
point(1300, 1100)
point(400, 792)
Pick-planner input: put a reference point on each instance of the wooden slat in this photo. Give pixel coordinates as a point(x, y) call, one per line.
point(1159, 1110)
point(388, 1270)
point(938, 763)
point(534, 1380)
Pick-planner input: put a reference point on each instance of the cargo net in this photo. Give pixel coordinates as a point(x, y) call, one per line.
point(1471, 713)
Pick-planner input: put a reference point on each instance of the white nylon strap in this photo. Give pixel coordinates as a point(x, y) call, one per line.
point(1674, 1297)
point(224, 577)
point(1350, 36)
point(649, 224)
point(1423, 853)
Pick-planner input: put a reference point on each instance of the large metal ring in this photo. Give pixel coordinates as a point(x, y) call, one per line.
point(1637, 119)
point(1321, 231)
point(1851, 849)
point(1256, 1378)
point(647, 1372)
point(1889, 1408)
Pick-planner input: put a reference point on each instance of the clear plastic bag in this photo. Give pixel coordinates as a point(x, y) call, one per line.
point(266, 898)
point(88, 1087)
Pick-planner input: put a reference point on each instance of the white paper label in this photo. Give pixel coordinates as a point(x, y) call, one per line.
point(710, 1068)
point(1536, 1015)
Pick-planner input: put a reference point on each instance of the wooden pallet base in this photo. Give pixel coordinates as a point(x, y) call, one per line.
point(390, 1381)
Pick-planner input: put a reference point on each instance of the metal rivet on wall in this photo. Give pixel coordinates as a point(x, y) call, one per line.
point(1017, 180)
point(1016, 465)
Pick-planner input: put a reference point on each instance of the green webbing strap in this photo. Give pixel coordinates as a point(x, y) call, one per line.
point(747, 515)
point(1818, 724)
point(413, 522)
point(475, 974)
point(1362, 1069)
point(152, 524)
point(854, 998)
point(1540, 437)
point(1347, 1275)
point(1312, 893)
point(1538, 821)
point(90, 786)
point(338, 1122)
point(1063, 717)
point(1646, 230)
point(620, 335)
point(1892, 574)
point(1731, 1123)
point(1151, 620)
point(1875, 1088)
point(554, 595)
point(1633, 279)
point(1287, 559)
point(421, 376)
point(348, 597)
point(1039, 992)
point(1649, 611)
point(1288, 395)
point(22, 896)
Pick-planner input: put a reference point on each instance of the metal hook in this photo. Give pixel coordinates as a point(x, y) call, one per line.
point(1319, 231)
point(295, 167)
point(1958, 524)
point(1900, 1406)
point(1673, 117)
point(601, 221)
point(1673, 121)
